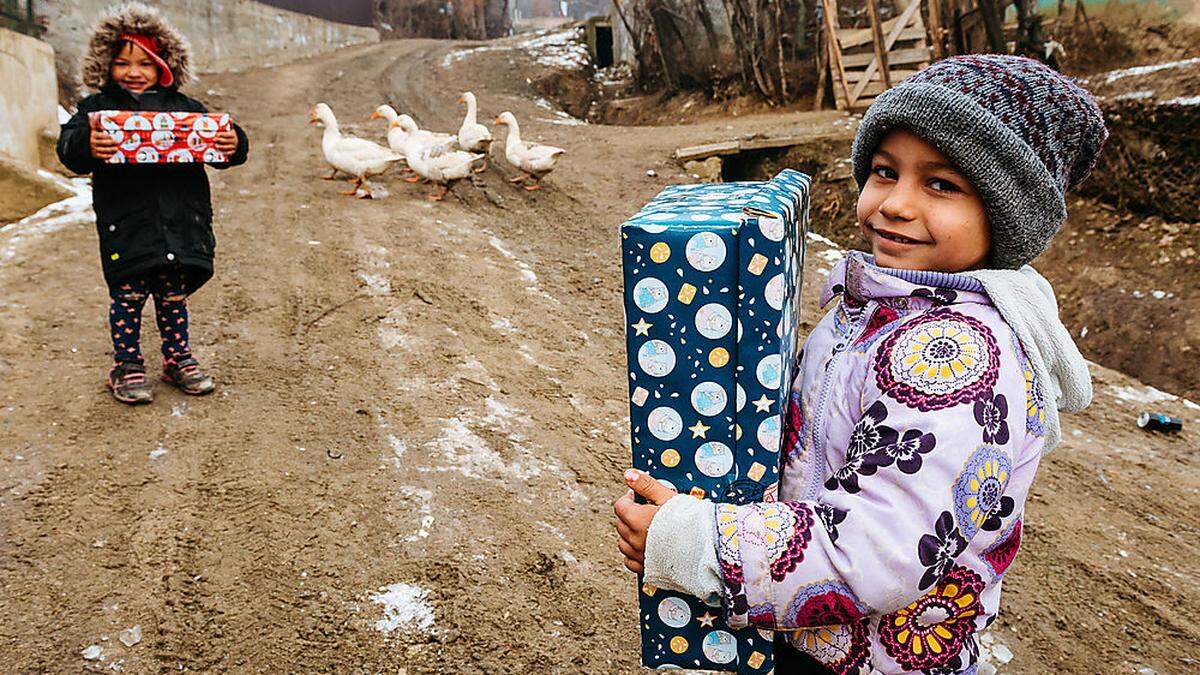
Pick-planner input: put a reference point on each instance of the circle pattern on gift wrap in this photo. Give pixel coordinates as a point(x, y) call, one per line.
point(660, 252)
point(670, 458)
point(741, 397)
point(656, 358)
point(709, 398)
point(162, 139)
point(774, 292)
point(679, 644)
point(164, 121)
point(650, 295)
point(769, 433)
point(206, 127)
point(719, 647)
point(137, 123)
point(714, 321)
point(769, 371)
point(714, 459)
point(718, 357)
point(705, 251)
point(674, 612)
point(772, 228)
point(664, 423)
point(147, 155)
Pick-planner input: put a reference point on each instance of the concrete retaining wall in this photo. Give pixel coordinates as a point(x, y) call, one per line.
point(28, 96)
point(225, 34)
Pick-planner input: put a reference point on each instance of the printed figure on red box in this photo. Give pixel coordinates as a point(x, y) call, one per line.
point(145, 144)
point(924, 400)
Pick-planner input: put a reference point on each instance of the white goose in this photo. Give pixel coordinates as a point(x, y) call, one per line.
point(473, 136)
point(395, 135)
point(355, 156)
point(535, 159)
point(438, 163)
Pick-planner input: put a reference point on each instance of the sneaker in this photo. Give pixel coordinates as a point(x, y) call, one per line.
point(128, 383)
point(186, 375)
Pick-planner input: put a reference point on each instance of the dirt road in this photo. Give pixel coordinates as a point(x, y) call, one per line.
point(420, 425)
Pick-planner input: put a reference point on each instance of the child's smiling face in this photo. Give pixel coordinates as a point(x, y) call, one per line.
point(133, 68)
point(918, 212)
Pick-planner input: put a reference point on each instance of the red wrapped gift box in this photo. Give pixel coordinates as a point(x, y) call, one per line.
point(156, 137)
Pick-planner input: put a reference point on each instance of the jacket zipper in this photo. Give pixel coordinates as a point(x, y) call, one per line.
point(819, 417)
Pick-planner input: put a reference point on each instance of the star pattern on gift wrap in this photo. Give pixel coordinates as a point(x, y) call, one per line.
point(641, 327)
point(706, 619)
point(762, 405)
point(699, 429)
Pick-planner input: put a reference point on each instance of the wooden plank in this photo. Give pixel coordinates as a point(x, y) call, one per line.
point(855, 37)
point(775, 142)
point(896, 58)
point(823, 69)
point(877, 41)
point(707, 150)
point(835, 50)
point(899, 56)
point(935, 27)
point(856, 76)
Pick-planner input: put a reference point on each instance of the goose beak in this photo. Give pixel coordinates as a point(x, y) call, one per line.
point(462, 99)
point(394, 124)
point(499, 121)
point(312, 116)
point(375, 115)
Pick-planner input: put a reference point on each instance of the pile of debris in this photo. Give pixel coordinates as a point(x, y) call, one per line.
point(1153, 113)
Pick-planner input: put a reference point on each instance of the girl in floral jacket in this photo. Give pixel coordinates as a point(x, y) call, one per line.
point(924, 399)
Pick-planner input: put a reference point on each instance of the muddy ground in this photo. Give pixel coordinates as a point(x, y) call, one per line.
point(421, 407)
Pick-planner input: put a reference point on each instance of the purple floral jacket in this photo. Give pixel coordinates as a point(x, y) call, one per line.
point(916, 432)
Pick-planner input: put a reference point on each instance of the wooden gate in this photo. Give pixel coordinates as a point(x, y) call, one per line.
point(864, 62)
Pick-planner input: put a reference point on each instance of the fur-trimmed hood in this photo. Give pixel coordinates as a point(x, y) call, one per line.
point(134, 17)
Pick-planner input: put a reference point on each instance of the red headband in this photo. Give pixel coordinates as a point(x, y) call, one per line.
point(150, 46)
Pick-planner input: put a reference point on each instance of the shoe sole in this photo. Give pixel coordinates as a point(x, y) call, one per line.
point(189, 392)
point(129, 401)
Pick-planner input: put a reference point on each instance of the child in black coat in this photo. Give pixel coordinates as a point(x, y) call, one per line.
point(154, 221)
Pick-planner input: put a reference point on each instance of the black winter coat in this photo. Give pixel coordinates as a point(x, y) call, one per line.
point(148, 216)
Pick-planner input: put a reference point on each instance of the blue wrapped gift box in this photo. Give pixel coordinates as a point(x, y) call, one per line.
point(712, 275)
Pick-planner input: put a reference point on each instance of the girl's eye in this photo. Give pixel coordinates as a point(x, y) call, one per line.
point(883, 171)
point(942, 185)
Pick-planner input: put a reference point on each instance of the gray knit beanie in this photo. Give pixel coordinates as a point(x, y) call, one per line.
point(1020, 132)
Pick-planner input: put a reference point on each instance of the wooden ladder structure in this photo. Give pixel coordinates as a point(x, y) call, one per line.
point(862, 63)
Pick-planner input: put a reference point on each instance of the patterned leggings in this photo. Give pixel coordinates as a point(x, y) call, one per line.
point(170, 311)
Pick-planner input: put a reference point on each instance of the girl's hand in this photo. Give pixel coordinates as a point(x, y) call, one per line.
point(226, 142)
point(633, 519)
point(103, 145)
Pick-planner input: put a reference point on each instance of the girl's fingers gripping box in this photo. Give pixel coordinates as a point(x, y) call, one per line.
point(160, 137)
point(712, 275)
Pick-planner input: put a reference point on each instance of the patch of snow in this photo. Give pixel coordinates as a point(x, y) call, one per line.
point(398, 448)
point(93, 653)
point(813, 236)
point(405, 607)
point(376, 284)
point(72, 211)
point(178, 409)
point(424, 509)
point(158, 452)
point(1145, 394)
point(1133, 96)
point(1114, 75)
point(504, 324)
point(1183, 100)
point(562, 49)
